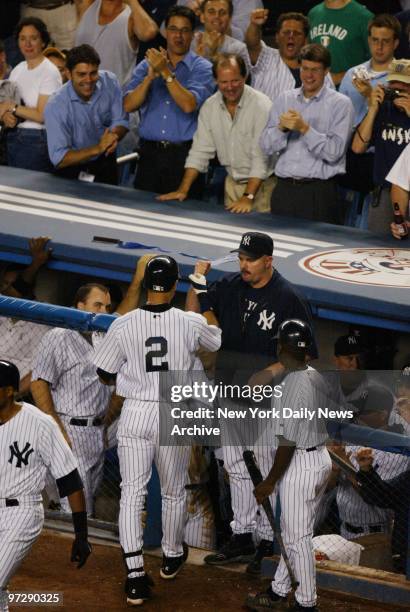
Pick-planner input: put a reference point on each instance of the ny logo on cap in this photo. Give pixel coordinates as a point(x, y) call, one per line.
point(246, 240)
point(352, 340)
point(21, 456)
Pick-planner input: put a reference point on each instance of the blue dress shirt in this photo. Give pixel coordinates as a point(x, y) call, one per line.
point(73, 124)
point(321, 152)
point(161, 117)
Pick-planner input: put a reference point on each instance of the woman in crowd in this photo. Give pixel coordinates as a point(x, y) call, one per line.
point(36, 78)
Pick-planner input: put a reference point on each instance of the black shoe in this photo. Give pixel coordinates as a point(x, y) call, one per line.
point(298, 608)
point(264, 549)
point(172, 565)
point(138, 590)
point(239, 549)
point(268, 600)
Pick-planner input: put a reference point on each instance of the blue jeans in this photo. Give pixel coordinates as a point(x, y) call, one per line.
point(27, 148)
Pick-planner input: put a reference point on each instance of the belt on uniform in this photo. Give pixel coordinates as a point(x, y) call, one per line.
point(11, 502)
point(96, 421)
point(361, 528)
point(309, 450)
point(301, 181)
point(166, 144)
point(48, 7)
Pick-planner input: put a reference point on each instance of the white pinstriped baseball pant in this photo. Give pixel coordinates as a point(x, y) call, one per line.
point(137, 448)
point(19, 528)
point(300, 491)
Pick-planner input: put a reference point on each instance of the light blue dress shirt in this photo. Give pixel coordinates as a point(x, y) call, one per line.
point(321, 152)
point(73, 124)
point(161, 117)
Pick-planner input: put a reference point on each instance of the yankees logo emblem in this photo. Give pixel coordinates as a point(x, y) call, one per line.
point(246, 240)
point(265, 321)
point(21, 456)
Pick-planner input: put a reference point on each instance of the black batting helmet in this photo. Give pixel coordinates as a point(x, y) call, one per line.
point(161, 273)
point(296, 334)
point(9, 375)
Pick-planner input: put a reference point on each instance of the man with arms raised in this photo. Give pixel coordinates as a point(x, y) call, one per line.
point(276, 70)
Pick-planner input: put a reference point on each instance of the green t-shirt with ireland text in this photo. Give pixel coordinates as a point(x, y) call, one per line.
point(343, 31)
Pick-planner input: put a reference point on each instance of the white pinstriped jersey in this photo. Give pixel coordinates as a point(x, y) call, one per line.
point(303, 390)
point(30, 444)
point(65, 360)
point(271, 76)
point(146, 341)
point(352, 508)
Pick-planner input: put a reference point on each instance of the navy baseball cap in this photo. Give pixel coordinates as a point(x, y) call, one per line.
point(255, 245)
point(348, 345)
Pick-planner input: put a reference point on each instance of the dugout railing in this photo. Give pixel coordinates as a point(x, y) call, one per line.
point(394, 446)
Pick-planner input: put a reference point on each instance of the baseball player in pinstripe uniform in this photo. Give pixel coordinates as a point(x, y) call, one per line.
point(30, 444)
point(65, 385)
point(138, 346)
point(301, 468)
point(359, 518)
point(249, 307)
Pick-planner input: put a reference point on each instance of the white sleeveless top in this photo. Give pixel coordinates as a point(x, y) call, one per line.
point(111, 41)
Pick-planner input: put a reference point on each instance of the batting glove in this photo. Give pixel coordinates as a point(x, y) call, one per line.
point(80, 550)
point(198, 282)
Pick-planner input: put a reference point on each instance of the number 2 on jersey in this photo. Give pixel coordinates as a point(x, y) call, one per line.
point(156, 353)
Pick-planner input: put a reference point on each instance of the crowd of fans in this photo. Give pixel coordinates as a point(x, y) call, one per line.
point(181, 77)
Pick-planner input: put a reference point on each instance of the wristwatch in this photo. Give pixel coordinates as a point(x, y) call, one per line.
point(250, 196)
point(170, 78)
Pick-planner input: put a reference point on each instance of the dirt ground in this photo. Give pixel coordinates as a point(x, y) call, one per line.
point(99, 585)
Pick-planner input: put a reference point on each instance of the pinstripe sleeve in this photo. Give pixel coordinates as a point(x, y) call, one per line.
point(207, 336)
point(109, 355)
point(54, 450)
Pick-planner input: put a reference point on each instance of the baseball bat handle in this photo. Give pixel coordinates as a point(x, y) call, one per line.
point(254, 471)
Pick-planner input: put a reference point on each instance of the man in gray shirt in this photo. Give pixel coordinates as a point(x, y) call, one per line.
point(216, 17)
point(229, 125)
point(309, 128)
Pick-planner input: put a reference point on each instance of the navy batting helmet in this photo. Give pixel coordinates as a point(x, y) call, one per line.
point(296, 334)
point(9, 375)
point(161, 273)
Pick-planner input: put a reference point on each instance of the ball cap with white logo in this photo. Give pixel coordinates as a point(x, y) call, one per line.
point(399, 70)
point(348, 345)
point(255, 245)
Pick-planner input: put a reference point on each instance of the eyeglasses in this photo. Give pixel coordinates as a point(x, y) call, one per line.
point(175, 30)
